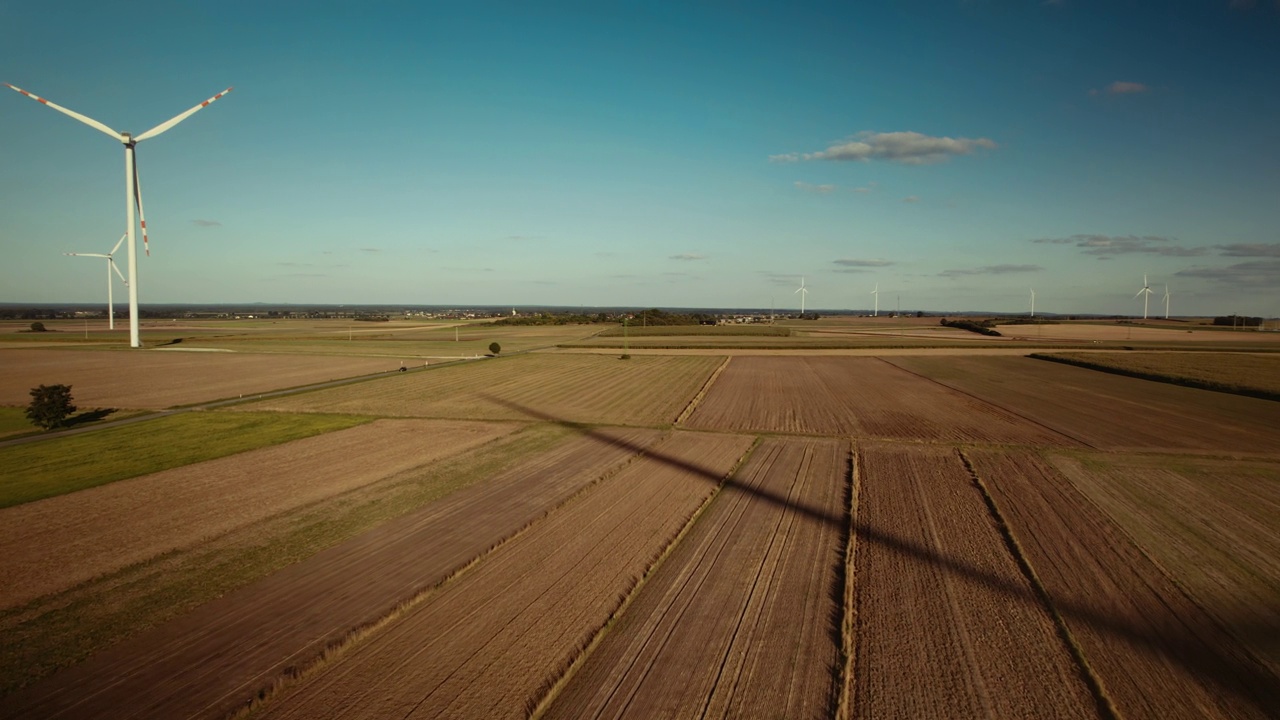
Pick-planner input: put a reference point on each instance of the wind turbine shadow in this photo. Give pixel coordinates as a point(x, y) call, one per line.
point(1227, 667)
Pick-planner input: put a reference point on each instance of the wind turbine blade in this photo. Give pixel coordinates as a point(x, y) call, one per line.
point(137, 197)
point(86, 120)
point(88, 255)
point(179, 118)
point(118, 243)
point(1138, 294)
point(117, 269)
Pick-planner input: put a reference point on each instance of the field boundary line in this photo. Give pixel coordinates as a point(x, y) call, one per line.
point(848, 580)
point(1106, 709)
point(295, 674)
point(537, 707)
point(1169, 379)
point(993, 404)
point(706, 387)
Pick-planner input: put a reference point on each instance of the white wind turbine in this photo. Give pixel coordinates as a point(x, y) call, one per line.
point(132, 192)
point(1166, 301)
point(803, 292)
point(876, 292)
point(1033, 302)
point(111, 267)
point(1145, 292)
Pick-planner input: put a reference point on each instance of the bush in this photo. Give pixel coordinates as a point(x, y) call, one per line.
point(494, 348)
point(50, 405)
point(38, 327)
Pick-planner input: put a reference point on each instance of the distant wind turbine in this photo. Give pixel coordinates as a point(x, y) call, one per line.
point(1166, 301)
point(132, 192)
point(803, 292)
point(876, 292)
point(1033, 302)
point(111, 266)
point(1145, 292)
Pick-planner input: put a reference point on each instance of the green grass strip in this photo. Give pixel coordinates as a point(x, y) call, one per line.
point(14, 420)
point(61, 465)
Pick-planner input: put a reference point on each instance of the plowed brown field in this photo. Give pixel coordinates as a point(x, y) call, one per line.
point(1110, 411)
point(488, 644)
point(947, 624)
point(863, 397)
point(237, 645)
point(155, 379)
point(53, 544)
point(743, 619)
point(1156, 653)
point(579, 388)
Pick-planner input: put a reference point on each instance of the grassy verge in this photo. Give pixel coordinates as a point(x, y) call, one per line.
point(66, 464)
point(62, 629)
point(1240, 374)
point(13, 420)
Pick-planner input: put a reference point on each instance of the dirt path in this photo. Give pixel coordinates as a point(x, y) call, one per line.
point(947, 625)
point(486, 645)
point(741, 620)
point(228, 650)
point(1156, 653)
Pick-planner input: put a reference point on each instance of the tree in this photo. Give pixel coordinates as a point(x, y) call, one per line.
point(50, 405)
point(494, 348)
point(37, 327)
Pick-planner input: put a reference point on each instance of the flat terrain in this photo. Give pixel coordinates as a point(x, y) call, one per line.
point(577, 388)
point(1254, 374)
point(157, 379)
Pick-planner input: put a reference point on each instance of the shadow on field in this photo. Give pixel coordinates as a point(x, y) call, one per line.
point(1225, 665)
point(90, 416)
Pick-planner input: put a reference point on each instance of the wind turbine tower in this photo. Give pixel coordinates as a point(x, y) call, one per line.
point(1166, 301)
point(1033, 302)
point(1145, 292)
point(876, 292)
point(803, 292)
point(132, 191)
point(111, 266)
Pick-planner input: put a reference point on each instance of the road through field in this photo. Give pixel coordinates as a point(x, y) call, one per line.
point(215, 659)
point(486, 645)
point(742, 620)
point(53, 544)
point(1155, 652)
point(947, 626)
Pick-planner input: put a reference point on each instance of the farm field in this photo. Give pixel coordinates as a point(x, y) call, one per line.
point(1154, 331)
point(1241, 373)
point(156, 379)
point(490, 644)
point(864, 397)
point(1154, 651)
point(576, 388)
point(248, 640)
point(947, 625)
point(1108, 411)
point(742, 619)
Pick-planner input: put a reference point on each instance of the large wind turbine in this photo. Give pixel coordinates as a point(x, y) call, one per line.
point(132, 193)
point(1145, 292)
point(111, 266)
point(803, 292)
point(876, 292)
point(1166, 301)
point(1033, 302)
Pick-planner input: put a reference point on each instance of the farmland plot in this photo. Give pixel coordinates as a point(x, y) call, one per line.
point(490, 643)
point(1108, 411)
point(947, 625)
point(53, 544)
point(863, 397)
point(155, 380)
point(1154, 652)
point(239, 644)
point(742, 619)
point(647, 390)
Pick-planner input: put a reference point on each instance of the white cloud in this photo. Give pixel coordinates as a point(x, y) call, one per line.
point(908, 148)
point(991, 270)
point(819, 189)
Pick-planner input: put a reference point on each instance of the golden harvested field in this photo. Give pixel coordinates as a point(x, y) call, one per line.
point(1231, 372)
point(158, 379)
point(577, 388)
point(53, 544)
point(1154, 332)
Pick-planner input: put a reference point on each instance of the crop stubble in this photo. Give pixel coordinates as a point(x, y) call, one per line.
point(648, 390)
point(52, 544)
point(1155, 652)
point(486, 645)
point(741, 620)
point(947, 625)
point(243, 643)
point(862, 397)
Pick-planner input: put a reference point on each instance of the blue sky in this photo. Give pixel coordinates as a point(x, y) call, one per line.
point(707, 154)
